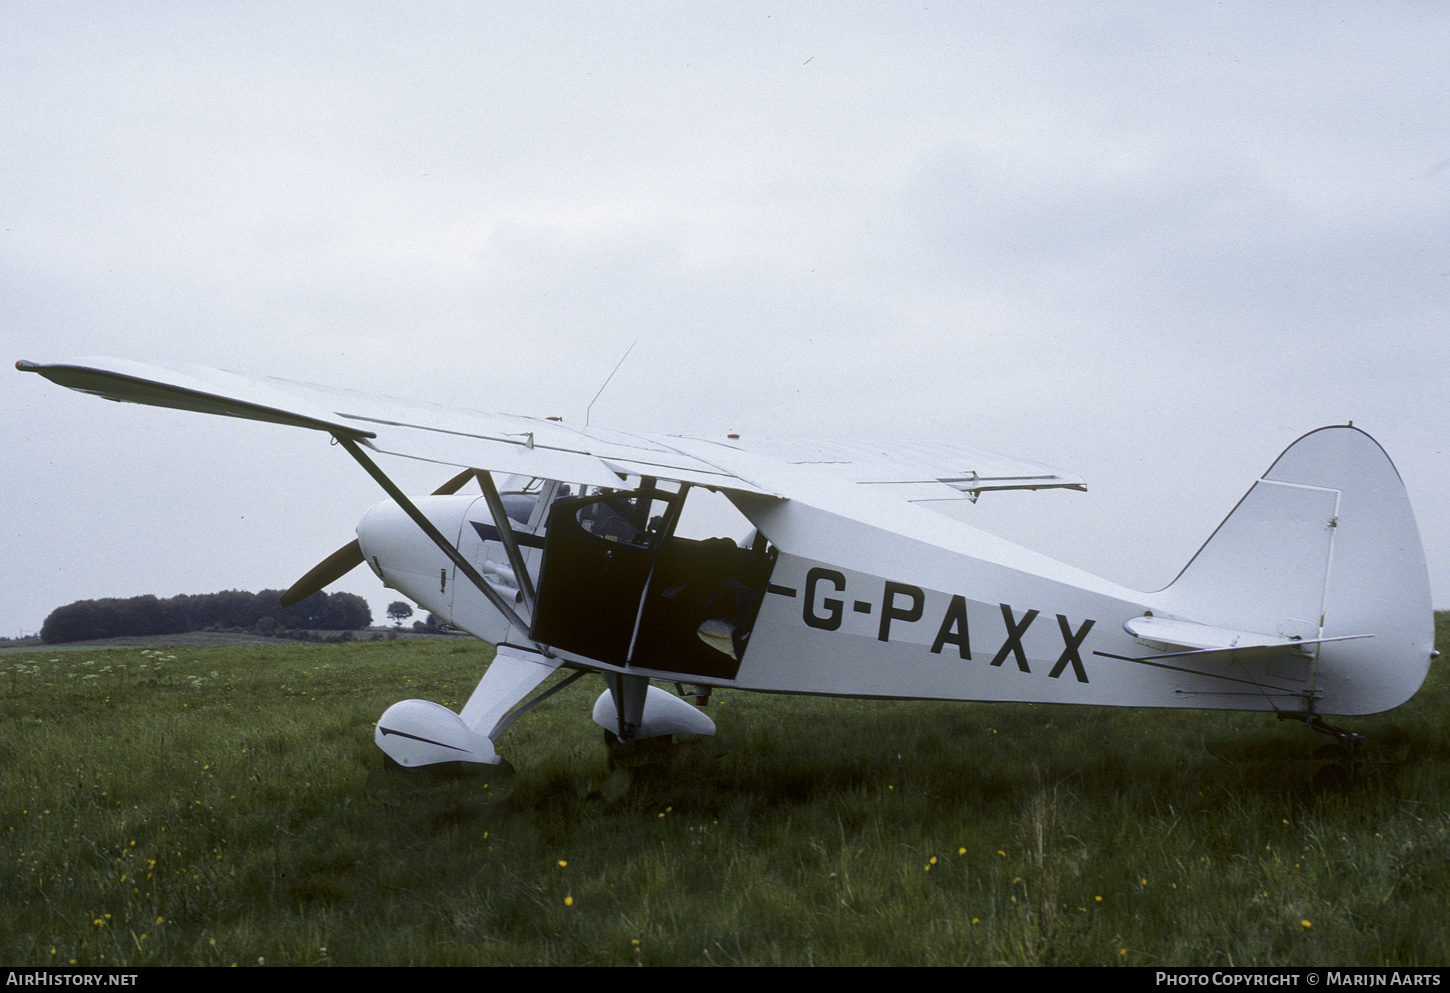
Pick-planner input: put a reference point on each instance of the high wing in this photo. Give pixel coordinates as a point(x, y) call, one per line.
point(529, 446)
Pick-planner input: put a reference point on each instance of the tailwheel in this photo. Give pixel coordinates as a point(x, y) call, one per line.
point(1352, 755)
point(1338, 775)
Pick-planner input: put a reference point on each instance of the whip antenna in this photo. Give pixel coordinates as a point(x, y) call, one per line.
point(606, 381)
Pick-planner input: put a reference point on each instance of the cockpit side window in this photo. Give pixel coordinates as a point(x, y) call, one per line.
point(621, 517)
point(519, 506)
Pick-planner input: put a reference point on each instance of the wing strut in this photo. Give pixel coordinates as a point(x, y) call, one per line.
point(506, 535)
point(436, 536)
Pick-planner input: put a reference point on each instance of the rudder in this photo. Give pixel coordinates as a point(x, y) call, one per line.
point(1323, 545)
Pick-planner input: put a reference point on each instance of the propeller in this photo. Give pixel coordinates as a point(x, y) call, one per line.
point(350, 556)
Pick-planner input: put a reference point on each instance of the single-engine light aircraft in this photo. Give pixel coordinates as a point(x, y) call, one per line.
point(1312, 598)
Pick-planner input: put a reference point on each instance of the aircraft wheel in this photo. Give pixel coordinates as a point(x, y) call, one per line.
point(644, 752)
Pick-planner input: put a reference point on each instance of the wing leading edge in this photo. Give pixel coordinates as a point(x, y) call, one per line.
point(529, 446)
point(505, 443)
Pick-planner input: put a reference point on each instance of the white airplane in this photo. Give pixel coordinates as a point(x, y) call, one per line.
point(1312, 598)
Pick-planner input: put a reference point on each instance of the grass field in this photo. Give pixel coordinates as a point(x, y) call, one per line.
point(220, 806)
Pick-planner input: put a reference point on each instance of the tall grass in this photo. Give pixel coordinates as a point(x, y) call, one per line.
point(227, 806)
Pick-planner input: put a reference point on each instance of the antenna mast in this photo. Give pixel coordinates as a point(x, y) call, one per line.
point(606, 381)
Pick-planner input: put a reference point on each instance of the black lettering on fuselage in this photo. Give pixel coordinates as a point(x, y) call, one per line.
point(1013, 643)
point(1071, 640)
point(907, 603)
point(831, 619)
point(890, 612)
point(953, 629)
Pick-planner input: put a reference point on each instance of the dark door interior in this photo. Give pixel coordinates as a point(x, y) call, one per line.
point(616, 586)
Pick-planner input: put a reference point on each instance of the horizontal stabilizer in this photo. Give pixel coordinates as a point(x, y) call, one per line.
point(1260, 651)
point(1203, 639)
point(1242, 651)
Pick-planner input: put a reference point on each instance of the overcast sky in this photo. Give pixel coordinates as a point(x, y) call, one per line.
point(1149, 244)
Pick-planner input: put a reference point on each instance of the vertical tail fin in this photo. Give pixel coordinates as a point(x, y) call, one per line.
point(1324, 545)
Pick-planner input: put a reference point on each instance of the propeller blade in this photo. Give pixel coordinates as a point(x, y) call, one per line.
point(350, 556)
point(329, 570)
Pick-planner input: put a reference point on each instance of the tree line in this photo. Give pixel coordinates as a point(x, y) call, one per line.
point(230, 610)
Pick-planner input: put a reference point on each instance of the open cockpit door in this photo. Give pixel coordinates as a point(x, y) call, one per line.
point(598, 554)
point(618, 586)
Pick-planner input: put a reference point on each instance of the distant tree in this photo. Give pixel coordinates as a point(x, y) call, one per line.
point(331, 614)
point(142, 615)
point(77, 621)
point(430, 625)
point(303, 613)
point(351, 611)
point(398, 612)
point(235, 609)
